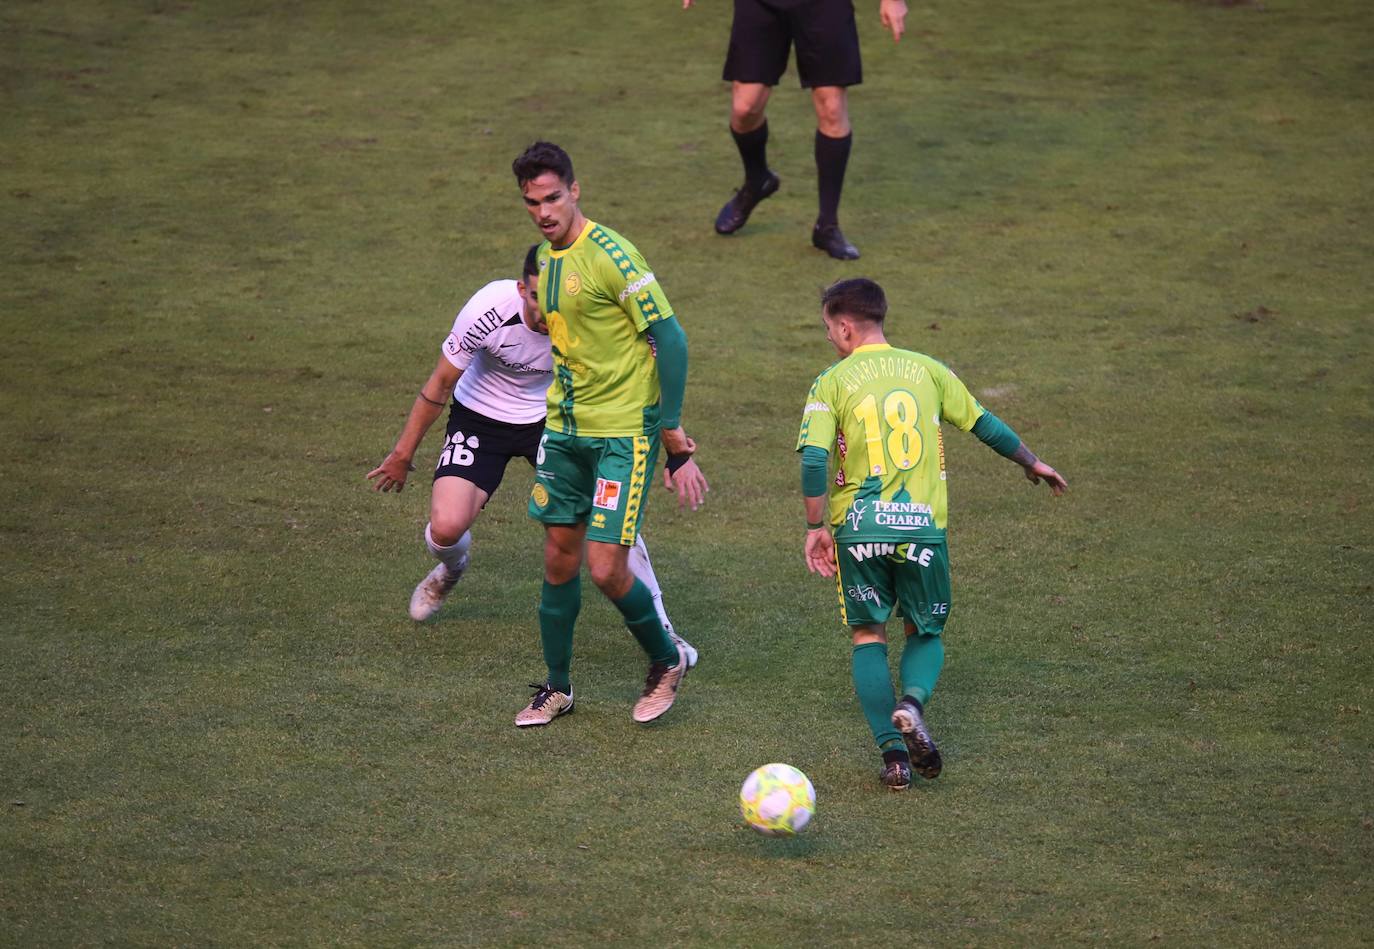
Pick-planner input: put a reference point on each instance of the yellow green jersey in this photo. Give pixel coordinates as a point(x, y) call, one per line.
point(599, 298)
point(878, 413)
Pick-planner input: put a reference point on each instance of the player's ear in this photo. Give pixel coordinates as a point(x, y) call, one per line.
point(575, 191)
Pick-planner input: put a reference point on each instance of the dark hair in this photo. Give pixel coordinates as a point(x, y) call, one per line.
point(531, 262)
point(539, 158)
point(858, 297)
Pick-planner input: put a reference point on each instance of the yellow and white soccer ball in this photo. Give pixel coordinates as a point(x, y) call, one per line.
point(777, 800)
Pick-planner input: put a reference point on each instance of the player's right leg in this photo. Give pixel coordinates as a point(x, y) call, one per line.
point(454, 504)
point(559, 603)
point(923, 589)
point(760, 43)
point(561, 500)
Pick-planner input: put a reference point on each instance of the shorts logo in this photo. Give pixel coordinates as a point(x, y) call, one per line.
point(539, 495)
point(864, 592)
point(599, 521)
point(573, 284)
point(607, 495)
point(458, 450)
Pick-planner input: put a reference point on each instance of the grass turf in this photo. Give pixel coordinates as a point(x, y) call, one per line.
point(235, 237)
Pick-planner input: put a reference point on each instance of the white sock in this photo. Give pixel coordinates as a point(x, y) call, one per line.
point(644, 571)
point(454, 557)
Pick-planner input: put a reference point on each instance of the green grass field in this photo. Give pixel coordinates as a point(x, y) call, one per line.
point(235, 235)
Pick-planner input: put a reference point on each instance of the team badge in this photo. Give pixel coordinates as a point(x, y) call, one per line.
point(607, 495)
point(573, 284)
point(539, 495)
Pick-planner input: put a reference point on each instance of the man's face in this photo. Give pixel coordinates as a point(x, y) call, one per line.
point(529, 311)
point(552, 206)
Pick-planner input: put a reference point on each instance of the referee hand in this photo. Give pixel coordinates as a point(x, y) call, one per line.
point(893, 15)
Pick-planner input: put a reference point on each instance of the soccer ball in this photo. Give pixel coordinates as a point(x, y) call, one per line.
point(777, 800)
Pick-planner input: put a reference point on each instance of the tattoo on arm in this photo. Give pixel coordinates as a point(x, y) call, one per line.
point(1023, 456)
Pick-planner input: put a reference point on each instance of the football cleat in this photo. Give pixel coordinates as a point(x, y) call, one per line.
point(737, 210)
point(896, 775)
point(832, 240)
point(925, 757)
point(687, 648)
point(660, 688)
point(433, 590)
point(548, 703)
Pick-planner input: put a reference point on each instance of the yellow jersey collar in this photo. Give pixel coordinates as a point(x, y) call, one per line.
point(870, 347)
point(587, 229)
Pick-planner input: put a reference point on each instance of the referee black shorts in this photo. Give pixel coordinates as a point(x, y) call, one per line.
point(824, 32)
point(477, 448)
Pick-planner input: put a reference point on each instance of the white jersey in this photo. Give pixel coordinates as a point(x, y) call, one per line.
point(507, 367)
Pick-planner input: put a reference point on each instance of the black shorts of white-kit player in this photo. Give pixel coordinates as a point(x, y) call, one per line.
point(477, 448)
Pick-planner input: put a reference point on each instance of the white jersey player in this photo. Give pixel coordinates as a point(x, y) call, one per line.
point(496, 364)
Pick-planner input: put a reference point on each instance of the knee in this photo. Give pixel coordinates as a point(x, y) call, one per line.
point(446, 529)
point(612, 579)
point(832, 114)
point(747, 112)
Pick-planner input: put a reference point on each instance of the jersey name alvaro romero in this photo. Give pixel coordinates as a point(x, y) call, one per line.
point(506, 365)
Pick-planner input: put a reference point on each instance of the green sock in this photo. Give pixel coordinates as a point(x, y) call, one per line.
point(558, 606)
point(873, 686)
point(922, 659)
point(637, 606)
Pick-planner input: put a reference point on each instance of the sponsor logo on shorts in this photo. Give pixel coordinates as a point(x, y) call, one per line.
point(573, 284)
point(862, 552)
point(607, 495)
point(539, 495)
point(599, 520)
point(637, 286)
point(863, 592)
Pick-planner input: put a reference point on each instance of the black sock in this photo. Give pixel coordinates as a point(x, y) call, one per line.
point(753, 151)
point(832, 155)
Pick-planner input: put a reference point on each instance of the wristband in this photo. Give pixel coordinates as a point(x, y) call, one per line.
point(816, 526)
point(675, 462)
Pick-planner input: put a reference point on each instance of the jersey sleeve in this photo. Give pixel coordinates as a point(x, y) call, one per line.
point(957, 404)
point(474, 323)
point(818, 418)
point(636, 290)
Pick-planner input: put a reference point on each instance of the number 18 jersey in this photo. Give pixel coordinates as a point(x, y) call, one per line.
point(878, 411)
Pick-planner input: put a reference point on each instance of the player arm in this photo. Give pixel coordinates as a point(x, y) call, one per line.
point(998, 436)
point(429, 404)
point(819, 549)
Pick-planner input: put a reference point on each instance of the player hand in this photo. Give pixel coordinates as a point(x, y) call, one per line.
point(391, 474)
point(820, 552)
point(1038, 470)
point(893, 15)
point(689, 483)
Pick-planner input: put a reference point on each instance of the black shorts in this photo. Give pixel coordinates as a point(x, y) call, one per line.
point(824, 32)
point(477, 448)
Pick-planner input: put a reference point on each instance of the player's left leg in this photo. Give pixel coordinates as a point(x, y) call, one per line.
point(834, 138)
point(643, 569)
point(454, 505)
point(828, 62)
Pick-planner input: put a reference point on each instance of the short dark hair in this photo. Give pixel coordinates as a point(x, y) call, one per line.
point(858, 297)
point(531, 262)
point(539, 158)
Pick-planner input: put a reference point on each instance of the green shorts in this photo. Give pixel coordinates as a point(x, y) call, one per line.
point(875, 577)
point(600, 482)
